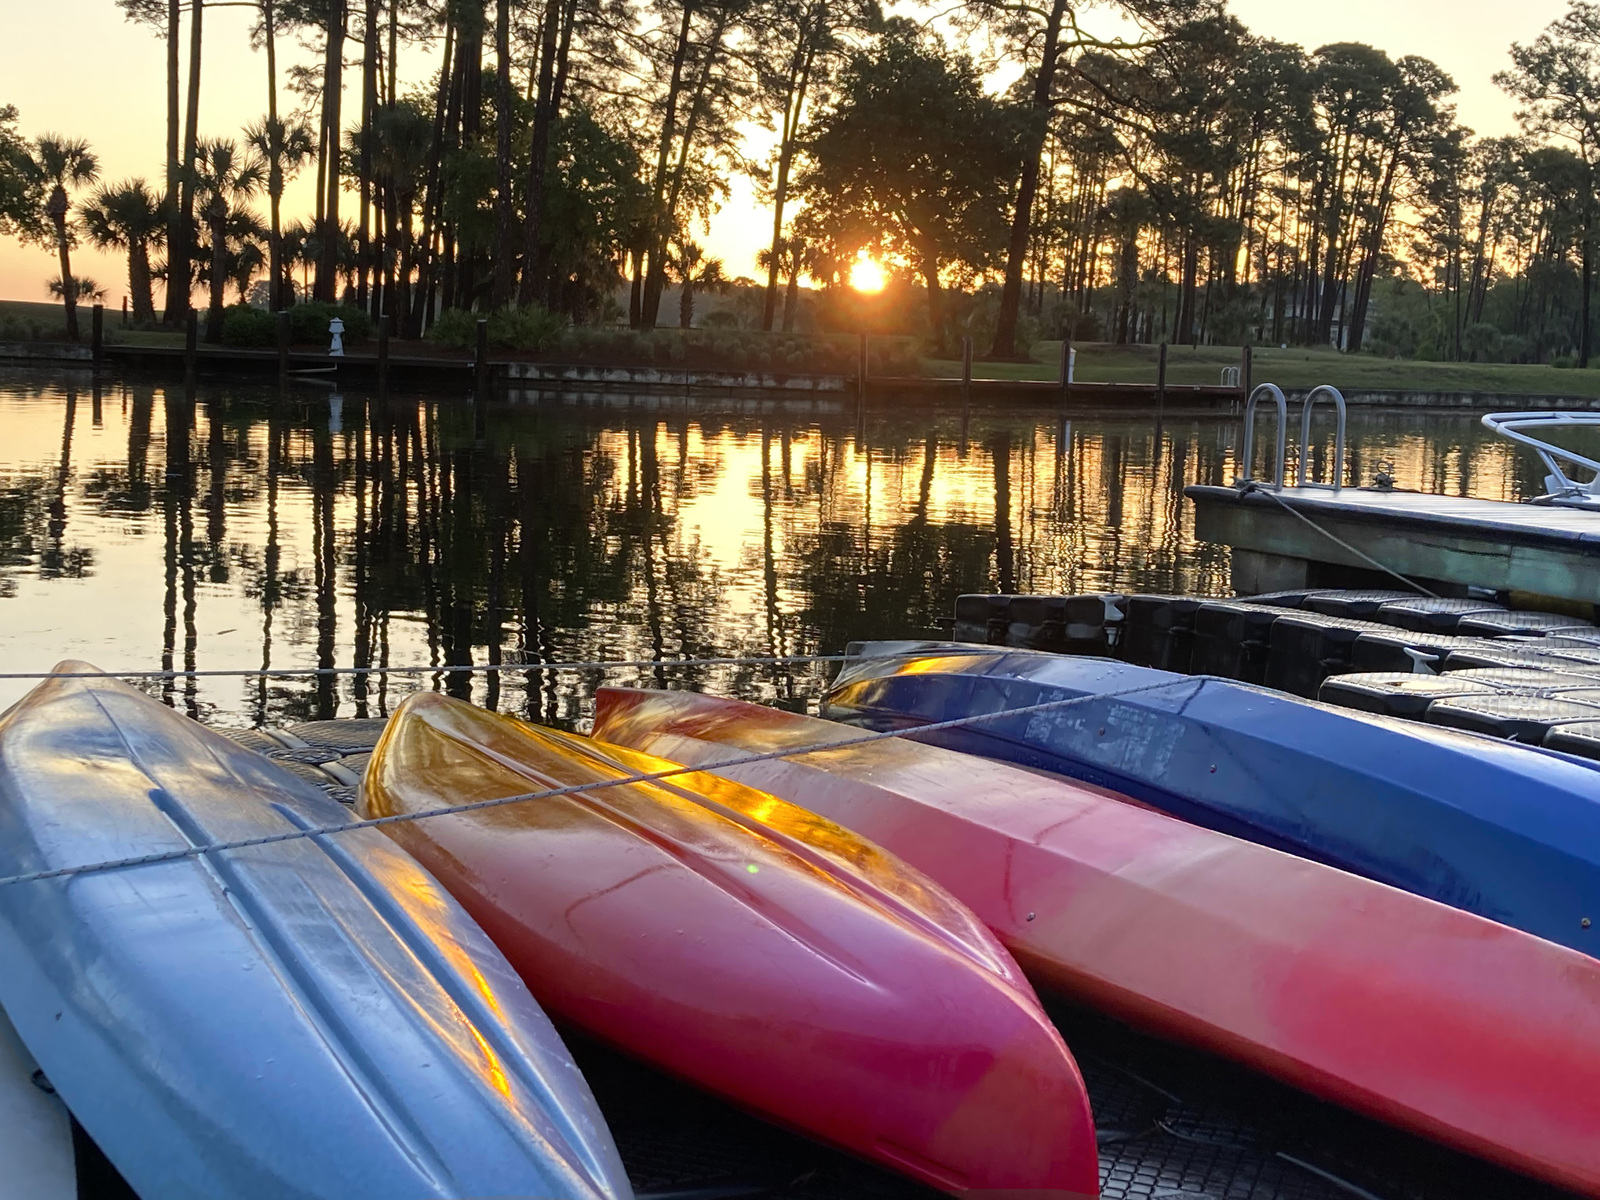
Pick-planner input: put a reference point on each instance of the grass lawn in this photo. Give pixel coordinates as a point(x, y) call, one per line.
point(1297, 367)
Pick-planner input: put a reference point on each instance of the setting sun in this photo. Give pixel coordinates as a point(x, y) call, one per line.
point(868, 276)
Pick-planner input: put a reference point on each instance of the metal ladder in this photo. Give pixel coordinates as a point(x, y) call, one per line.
point(1273, 391)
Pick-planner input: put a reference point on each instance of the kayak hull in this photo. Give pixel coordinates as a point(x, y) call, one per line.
point(1466, 1031)
point(1511, 833)
point(747, 947)
point(309, 1018)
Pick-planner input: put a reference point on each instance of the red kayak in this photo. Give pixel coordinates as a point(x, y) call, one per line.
point(1424, 1016)
point(747, 946)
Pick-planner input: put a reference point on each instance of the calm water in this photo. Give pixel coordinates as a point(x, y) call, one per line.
point(142, 528)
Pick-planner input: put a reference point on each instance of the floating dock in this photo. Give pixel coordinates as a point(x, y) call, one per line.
point(1287, 539)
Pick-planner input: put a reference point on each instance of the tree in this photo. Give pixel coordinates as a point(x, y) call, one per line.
point(19, 208)
point(805, 40)
point(691, 268)
point(64, 165)
point(83, 288)
point(913, 159)
point(129, 217)
point(165, 16)
point(225, 178)
point(792, 257)
point(285, 147)
point(1557, 80)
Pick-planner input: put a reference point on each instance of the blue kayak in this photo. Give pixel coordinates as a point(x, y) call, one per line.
point(1508, 832)
point(313, 1018)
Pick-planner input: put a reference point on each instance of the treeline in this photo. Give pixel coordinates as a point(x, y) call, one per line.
point(1190, 182)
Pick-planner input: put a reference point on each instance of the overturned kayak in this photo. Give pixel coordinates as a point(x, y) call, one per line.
point(312, 1017)
point(747, 946)
point(1475, 1034)
point(1508, 832)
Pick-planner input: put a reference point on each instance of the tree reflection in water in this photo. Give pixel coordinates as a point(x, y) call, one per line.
point(345, 531)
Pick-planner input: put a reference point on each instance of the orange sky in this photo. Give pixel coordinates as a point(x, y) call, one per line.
point(111, 88)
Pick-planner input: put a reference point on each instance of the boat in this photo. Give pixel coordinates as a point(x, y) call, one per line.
point(1423, 1016)
point(744, 945)
point(312, 1016)
point(1508, 832)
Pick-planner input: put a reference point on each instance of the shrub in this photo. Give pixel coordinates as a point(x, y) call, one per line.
point(308, 322)
point(244, 326)
point(531, 330)
point(456, 328)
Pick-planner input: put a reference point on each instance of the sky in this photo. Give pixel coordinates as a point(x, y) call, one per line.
point(113, 93)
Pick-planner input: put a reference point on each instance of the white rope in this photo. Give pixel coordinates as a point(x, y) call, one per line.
point(270, 839)
point(1339, 541)
point(418, 669)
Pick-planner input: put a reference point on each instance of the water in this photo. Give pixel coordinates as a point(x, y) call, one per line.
point(141, 528)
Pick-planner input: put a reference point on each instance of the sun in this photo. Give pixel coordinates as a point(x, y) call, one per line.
point(868, 276)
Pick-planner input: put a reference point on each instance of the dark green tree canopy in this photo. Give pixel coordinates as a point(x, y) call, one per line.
point(914, 160)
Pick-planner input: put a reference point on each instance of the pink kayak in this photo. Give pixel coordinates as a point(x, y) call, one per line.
point(748, 946)
point(1478, 1035)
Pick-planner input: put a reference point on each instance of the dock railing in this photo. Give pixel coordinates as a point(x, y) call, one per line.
point(1337, 481)
point(1248, 450)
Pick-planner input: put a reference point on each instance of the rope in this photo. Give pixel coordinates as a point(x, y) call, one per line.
point(1337, 540)
point(271, 839)
point(488, 668)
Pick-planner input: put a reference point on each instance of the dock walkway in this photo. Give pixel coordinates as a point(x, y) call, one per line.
point(1545, 550)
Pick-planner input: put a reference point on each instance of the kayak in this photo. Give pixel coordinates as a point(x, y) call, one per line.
point(1455, 1027)
point(746, 946)
point(1508, 832)
point(311, 1017)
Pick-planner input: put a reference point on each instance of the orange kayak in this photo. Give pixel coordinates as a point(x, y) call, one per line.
point(748, 946)
point(1473, 1033)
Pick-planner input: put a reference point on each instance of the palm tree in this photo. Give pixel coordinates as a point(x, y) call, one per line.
point(795, 255)
point(131, 217)
point(64, 164)
point(247, 238)
point(285, 146)
point(83, 288)
point(688, 264)
point(299, 250)
point(224, 179)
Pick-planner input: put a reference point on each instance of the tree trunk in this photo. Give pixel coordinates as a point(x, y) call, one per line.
point(174, 164)
point(658, 233)
point(794, 101)
point(179, 274)
point(1005, 329)
point(216, 219)
point(471, 109)
point(656, 279)
point(69, 286)
point(505, 257)
point(431, 202)
point(144, 307)
point(558, 90)
point(686, 304)
point(930, 274)
point(327, 287)
point(538, 153)
point(369, 110)
point(791, 298)
point(274, 166)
